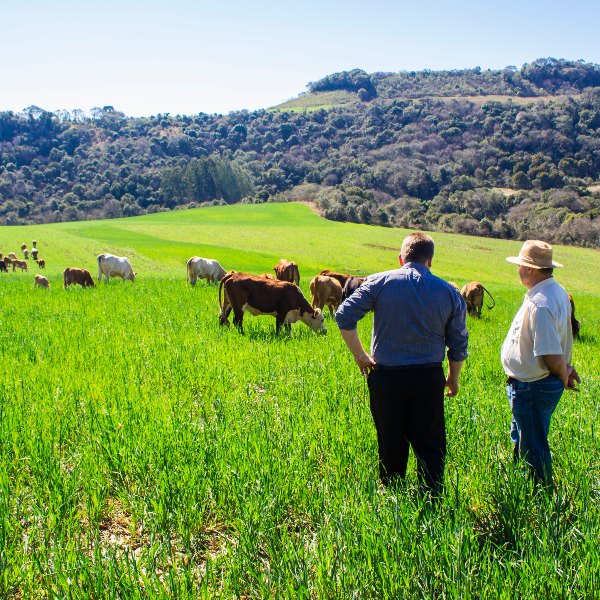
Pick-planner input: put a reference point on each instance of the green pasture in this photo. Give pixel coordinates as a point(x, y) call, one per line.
point(145, 452)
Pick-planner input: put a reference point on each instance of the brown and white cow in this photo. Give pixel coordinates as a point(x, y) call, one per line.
point(41, 281)
point(575, 324)
point(242, 292)
point(19, 264)
point(41, 263)
point(12, 255)
point(472, 294)
point(325, 291)
point(341, 277)
point(287, 270)
point(77, 276)
point(351, 285)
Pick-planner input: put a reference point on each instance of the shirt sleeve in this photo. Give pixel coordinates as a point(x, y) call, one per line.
point(354, 308)
point(546, 338)
point(457, 336)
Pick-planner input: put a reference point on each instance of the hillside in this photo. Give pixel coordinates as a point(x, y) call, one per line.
point(421, 150)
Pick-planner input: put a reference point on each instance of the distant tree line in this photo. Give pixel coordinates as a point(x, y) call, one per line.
point(503, 169)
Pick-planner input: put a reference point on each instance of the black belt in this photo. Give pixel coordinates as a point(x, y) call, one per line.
point(510, 380)
point(379, 367)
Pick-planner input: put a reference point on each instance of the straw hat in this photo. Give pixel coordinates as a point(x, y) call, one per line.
point(535, 254)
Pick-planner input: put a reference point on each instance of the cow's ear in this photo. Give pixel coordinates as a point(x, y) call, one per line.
point(317, 313)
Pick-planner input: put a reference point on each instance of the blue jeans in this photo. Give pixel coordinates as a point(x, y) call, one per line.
point(532, 405)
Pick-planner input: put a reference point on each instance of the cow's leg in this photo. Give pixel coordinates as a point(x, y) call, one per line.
point(238, 319)
point(193, 279)
point(224, 315)
point(330, 310)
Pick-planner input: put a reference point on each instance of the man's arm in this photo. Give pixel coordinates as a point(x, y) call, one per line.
point(454, 367)
point(364, 360)
point(558, 366)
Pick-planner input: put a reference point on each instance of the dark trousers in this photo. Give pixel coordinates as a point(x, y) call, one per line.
point(408, 409)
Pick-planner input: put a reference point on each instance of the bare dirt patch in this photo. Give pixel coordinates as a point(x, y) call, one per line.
point(379, 247)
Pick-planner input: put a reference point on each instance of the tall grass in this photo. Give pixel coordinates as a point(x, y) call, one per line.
point(147, 452)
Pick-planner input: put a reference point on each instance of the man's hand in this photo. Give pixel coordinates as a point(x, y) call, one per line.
point(573, 379)
point(365, 363)
point(452, 385)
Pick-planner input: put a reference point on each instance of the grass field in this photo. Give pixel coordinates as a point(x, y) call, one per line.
point(146, 453)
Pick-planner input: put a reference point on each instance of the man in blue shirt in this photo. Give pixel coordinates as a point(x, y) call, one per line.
point(416, 317)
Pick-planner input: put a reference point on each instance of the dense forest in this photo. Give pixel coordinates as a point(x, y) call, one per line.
point(445, 150)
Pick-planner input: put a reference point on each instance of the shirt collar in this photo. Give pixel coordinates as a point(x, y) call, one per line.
point(417, 266)
point(538, 286)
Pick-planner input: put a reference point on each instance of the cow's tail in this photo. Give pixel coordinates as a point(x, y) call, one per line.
point(187, 272)
point(492, 298)
point(221, 283)
point(100, 257)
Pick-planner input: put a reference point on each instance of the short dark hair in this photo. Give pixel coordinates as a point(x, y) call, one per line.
point(547, 270)
point(416, 247)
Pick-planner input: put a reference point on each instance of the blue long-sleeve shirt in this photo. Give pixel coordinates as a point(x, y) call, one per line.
point(417, 316)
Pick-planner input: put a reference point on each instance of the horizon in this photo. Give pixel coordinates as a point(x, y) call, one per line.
point(188, 58)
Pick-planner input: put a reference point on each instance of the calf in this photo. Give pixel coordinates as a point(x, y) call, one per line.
point(287, 270)
point(77, 276)
point(325, 291)
point(41, 281)
point(242, 292)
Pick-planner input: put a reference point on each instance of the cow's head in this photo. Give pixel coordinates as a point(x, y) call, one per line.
point(132, 276)
point(315, 320)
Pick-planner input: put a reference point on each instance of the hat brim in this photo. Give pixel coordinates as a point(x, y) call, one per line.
point(517, 260)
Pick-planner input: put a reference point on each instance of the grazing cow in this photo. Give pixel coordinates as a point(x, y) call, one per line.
point(114, 266)
point(3, 266)
point(204, 268)
point(34, 244)
point(21, 264)
point(26, 254)
point(41, 263)
point(41, 281)
point(325, 291)
point(575, 324)
point(76, 276)
point(34, 253)
point(351, 285)
point(23, 246)
point(472, 294)
point(7, 261)
point(287, 270)
point(12, 255)
point(259, 296)
point(341, 277)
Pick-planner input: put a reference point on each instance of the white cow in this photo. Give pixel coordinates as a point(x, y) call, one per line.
point(204, 268)
point(114, 266)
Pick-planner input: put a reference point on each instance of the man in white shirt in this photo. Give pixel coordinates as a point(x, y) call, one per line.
point(536, 357)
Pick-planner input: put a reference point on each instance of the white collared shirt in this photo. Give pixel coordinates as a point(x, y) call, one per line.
point(541, 326)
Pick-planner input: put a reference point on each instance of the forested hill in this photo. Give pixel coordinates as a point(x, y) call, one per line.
point(511, 153)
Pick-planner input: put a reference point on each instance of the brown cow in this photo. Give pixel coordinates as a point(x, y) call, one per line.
point(341, 277)
point(12, 255)
point(575, 324)
point(259, 296)
point(325, 291)
point(34, 253)
point(41, 263)
point(7, 261)
point(21, 264)
point(26, 254)
point(351, 285)
point(287, 270)
point(472, 294)
point(74, 275)
point(268, 276)
point(41, 281)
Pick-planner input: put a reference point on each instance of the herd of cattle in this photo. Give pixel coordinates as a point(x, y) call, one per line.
point(278, 295)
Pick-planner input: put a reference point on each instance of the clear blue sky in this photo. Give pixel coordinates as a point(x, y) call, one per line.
point(185, 57)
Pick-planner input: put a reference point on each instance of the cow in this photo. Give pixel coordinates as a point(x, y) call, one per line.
point(454, 285)
point(204, 268)
point(34, 253)
point(21, 264)
point(351, 285)
point(114, 266)
point(12, 255)
point(41, 263)
point(41, 281)
point(3, 266)
point(26, 254)
point(7, 261)
point(575, 324)
point(268, 276)
point(77, 276)
point(23, 246)
point(287, 270)
point(341, 277)
point(34, 244)
point(259, 296)
point(325, 291)
point(472, 294)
